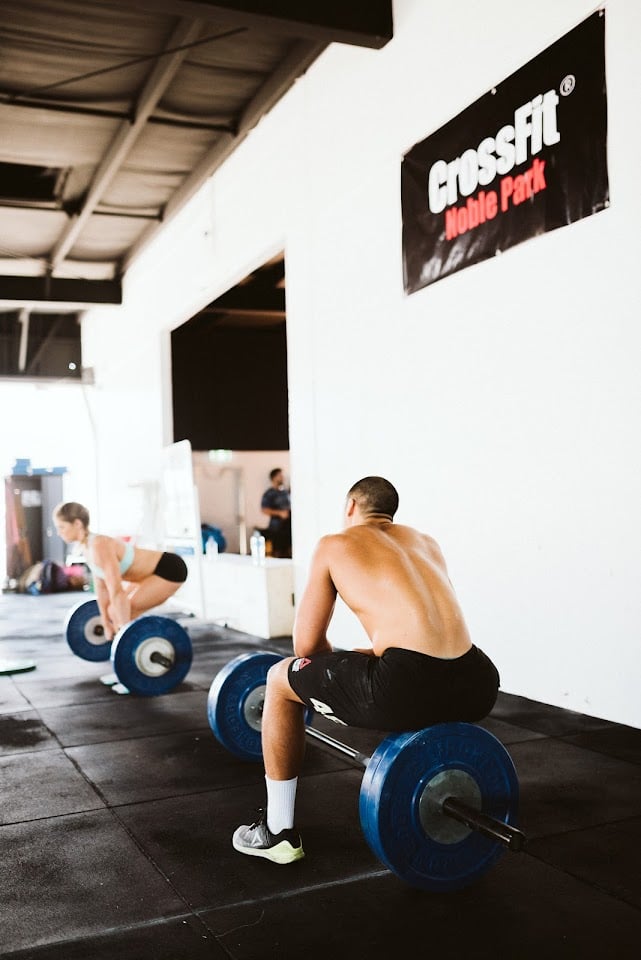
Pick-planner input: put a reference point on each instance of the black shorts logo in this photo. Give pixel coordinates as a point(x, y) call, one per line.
point(325, 710)
point(298, 665)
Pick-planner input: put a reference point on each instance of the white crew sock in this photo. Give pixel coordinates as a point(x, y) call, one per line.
point(281, 798)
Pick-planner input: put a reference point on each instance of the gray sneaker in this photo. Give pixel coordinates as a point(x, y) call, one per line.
point(258, 841)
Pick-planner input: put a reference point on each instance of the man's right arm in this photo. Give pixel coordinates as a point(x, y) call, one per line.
point(316, 607)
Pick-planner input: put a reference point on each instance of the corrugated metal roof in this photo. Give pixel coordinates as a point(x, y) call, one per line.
point(130, 106)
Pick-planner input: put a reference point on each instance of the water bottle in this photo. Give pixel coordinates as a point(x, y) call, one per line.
point(211, 549)
point(257, 547)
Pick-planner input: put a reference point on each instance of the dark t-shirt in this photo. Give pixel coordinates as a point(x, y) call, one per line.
point(274, 499)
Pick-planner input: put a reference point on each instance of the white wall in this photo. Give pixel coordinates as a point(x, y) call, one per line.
point(503, 401)
point(127, 351)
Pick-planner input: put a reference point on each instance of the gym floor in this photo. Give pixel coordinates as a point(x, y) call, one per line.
point(117, 814)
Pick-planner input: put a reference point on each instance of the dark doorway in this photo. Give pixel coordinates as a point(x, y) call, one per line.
point(229, 368)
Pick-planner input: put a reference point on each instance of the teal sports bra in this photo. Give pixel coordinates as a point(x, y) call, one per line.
point(125, 563)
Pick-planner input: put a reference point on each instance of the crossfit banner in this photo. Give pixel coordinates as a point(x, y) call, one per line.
point(527, 157)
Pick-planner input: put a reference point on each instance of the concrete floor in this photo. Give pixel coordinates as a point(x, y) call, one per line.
point(117, 814)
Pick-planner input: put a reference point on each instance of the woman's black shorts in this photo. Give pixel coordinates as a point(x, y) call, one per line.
point(171, 567)
point(402, 690)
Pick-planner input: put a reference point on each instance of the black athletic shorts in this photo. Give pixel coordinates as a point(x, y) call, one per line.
point(171, 567)
point(402, 690)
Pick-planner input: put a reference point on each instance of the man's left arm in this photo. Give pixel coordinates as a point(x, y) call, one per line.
point(316, 607)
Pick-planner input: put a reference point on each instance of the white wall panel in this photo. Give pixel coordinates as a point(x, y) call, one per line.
point(503, 401)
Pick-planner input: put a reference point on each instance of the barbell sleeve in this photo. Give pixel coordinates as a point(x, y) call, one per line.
point(504, 833)
point(496, 830)
point(160, 658)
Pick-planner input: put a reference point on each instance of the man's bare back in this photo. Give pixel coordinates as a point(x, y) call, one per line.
point(395, 581)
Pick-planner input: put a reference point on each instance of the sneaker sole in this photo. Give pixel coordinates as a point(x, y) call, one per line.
point(282, 853)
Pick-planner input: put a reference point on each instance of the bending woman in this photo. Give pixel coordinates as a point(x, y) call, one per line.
point(128, 580)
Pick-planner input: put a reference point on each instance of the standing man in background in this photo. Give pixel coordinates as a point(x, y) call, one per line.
point(276, 504)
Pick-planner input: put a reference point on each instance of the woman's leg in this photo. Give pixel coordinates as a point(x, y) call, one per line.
point(150, 592)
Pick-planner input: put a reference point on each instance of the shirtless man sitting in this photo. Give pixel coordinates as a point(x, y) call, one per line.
point(421, 669)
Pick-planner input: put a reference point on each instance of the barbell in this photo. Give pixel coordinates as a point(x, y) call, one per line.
point(438, 806)
point(150, 656)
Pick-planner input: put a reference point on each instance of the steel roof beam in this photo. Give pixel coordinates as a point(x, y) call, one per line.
point(163, 119)
point(363, 23)
point(127, 134)
point(302, 55)
point(59, 290)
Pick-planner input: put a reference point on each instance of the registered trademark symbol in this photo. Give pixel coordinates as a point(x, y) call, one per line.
point(567, 85)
